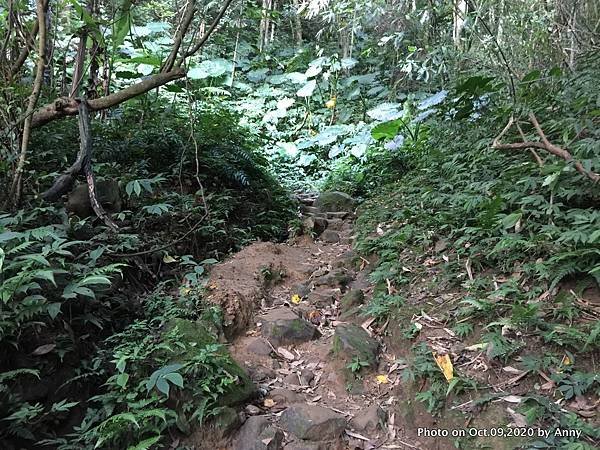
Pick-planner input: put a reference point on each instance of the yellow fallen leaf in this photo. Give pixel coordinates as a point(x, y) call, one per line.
point(382, 379)
point(445, 365)
point(296, 299)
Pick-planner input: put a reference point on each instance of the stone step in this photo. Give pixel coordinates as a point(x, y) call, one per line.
point(309, 209)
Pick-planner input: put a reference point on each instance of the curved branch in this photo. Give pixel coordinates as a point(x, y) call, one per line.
point(206, 35)
point(65, 106)
point(545, 144)
point(186, 20)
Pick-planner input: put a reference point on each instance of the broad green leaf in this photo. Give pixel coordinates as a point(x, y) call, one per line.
point(45, 275)
point(307, 90)
point(175, 378)
point(163, 386)
point(146, 444)
point(122, 24)
point(386, 130)
point(510, 220)
point(53, 309)
point(313, 71)
point(94, 279)
point(122, 379)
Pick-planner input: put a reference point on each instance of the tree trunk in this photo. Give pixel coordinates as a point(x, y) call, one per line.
point(460, 15)
point(17, 184)
point(297, 23)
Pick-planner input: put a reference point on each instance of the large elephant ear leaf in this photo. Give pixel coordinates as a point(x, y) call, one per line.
point(308, 89)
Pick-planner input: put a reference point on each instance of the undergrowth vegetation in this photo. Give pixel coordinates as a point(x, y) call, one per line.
point(518, 242)
point(102, 361)
point(470, 129)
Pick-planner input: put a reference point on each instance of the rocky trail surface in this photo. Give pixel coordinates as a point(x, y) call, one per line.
point(292, 317)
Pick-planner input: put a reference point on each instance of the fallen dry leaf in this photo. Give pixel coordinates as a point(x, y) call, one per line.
point(382, 379)
point(357, 436)
point(285, 353)
point(445, 365)
point(512, 399)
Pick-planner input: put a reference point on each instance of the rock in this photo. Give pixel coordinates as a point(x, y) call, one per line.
point(292, 379)
point(308, 445)
point(351, 300)
point(309, 210)
point(252, 410)
point(227, 421)
point(302, 289)
point(344, 260)
point(312, 422)
point(335, 202)
point(314, 225)
point(371, 419)
point(107, 193)
point(195, 335)
point(323, 297)
point(350, 313)
point(284, 397)
point(440, 246)
point(330, 236)
point(335, 224)
point(306, 376)
point(282, 327)
point(260, 373)
point(335, 278)
point(259, 346)
point(341, 215)
point(351, 341)
point(259, 434)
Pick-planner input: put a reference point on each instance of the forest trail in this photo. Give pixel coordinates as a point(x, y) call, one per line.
point(292, 315)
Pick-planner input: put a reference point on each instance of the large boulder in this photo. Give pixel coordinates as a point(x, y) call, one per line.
point(282, 327)
point(335, 202)
point(312, 422)
point(107, 193)
point(350, 341)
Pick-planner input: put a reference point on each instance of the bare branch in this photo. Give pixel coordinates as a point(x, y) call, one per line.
point(186, 20)
point(64, 106)
point(206, 35)
point(545, 144)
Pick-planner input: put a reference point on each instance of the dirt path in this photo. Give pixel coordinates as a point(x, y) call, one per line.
point(292, 315)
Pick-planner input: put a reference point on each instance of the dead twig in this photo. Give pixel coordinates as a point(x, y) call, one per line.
point(543, 144)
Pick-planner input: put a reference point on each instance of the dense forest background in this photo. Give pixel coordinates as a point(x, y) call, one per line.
point(466, 125)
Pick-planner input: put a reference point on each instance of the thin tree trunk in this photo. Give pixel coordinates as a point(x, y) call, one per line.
point(573, 50)
point(17, 184)
point(460, 14)
point(297, 23)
